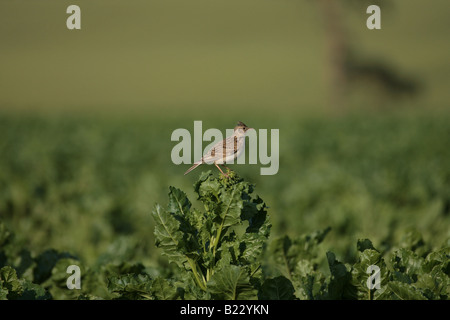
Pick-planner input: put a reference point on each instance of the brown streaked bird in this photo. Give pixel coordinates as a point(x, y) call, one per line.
point(225, 150)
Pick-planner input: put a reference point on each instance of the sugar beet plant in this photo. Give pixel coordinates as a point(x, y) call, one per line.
point(218, 249)
point(221, 251)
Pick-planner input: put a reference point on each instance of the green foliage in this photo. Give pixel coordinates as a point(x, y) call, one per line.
point(295, 260)
point(82, 193)
point(13, 288)
point(219, 248)
point(130, 286)
point(231, 282)
point(409, 277)
point(224, 253)
point(424, 278)
point(367, 256)
point(279, 288)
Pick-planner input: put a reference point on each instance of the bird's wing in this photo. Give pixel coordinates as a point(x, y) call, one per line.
point(221, 150)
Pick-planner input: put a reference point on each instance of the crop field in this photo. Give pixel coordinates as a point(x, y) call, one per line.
point(104, 195)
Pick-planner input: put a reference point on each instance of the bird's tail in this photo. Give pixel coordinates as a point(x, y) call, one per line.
point(196, 164)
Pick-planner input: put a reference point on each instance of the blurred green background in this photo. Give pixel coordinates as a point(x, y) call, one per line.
point(199, 56)
point(86, 116)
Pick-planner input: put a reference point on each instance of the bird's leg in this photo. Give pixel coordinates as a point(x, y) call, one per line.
point(221, 170)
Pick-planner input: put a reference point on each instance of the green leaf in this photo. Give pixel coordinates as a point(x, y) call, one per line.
point(364, 244)
point(207, 187)
point(309, 283)
point(229, 251)
point(251, 247)
point(10, 282)
point(340, 286)
point(13, 288)
point(403, 291)
point(230, 206)
point(434, 281)
point(188, 288)
point(163, 289)
point(3, 291)
point(231, 283)
point(407, 265)
point(279, 253)
point(131, 286)
point(57, 282)
point(168, 236)
point(439, 259)
point(285, 253)
point(279, 288)
point(203, 225)
point(179, 206)
point(178, 202)
point(256, 215)
point(368, 258)
point(434, 286)
point(33, 291)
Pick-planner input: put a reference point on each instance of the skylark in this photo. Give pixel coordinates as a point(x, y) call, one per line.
point(225, 150)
